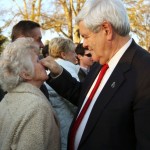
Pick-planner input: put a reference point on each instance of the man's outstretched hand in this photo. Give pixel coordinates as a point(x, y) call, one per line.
point(52, 65)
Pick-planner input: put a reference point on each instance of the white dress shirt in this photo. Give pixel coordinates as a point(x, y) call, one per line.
point(112, 64)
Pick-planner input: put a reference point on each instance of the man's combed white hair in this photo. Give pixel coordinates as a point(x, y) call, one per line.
point(95, 12)
point(15, 58)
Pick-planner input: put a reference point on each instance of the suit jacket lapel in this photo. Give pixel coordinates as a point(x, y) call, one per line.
point(86, 86)
point(94, 71)
point(114, 82)
point(89, 81)
point(103, 99)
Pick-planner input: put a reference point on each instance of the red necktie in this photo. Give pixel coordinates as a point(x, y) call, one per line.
point(85, 107)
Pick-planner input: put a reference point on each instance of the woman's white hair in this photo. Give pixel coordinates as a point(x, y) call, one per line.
point(15, 58)
point(95, 12)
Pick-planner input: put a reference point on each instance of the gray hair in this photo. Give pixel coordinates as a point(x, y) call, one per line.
point(15, 58)
point(60, 44)
point(95, 12)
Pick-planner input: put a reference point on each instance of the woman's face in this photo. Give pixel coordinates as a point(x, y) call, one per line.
point(71, 56)
point(40, 74)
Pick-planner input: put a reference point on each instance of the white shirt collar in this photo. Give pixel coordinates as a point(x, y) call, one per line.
point(115, 59)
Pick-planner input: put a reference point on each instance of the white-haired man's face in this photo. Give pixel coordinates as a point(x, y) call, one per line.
point(97, 43)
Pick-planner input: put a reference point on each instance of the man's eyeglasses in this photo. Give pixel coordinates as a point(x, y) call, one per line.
point(88, 55)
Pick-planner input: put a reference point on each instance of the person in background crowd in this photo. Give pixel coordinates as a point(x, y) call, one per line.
point(113, 114)
point(27, 120)
point(45, 51)
point(27, 28)
point(63, 51)
point(85, 60)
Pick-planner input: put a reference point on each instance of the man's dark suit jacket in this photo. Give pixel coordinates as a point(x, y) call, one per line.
point(81, 75)
point(120, 118)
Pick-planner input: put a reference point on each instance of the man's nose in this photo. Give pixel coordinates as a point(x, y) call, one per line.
point(85, 45)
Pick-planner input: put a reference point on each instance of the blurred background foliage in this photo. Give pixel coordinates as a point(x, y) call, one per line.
point(57, 16)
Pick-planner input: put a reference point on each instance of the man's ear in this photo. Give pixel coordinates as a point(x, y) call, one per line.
point(108, 29)
point(25, 75)
point(79, 56)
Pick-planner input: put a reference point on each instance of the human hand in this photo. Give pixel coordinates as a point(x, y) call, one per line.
point(52, 65)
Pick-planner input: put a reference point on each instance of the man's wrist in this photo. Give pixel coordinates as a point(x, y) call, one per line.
point(55, 75)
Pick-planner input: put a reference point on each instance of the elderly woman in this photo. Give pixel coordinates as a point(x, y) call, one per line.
point(27, 121)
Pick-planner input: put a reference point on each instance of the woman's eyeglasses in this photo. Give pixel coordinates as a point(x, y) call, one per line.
point(88, 55)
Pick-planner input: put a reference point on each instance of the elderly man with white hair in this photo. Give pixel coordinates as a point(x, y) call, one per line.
point(114, 99)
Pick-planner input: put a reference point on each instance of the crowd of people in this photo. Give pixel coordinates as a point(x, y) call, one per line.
point(90, 96)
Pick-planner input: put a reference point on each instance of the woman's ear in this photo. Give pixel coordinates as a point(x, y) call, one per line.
point(63, 55)
point(25, 75)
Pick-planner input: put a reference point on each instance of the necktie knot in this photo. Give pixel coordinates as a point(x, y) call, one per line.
point(104, 67)
point(103, 71)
